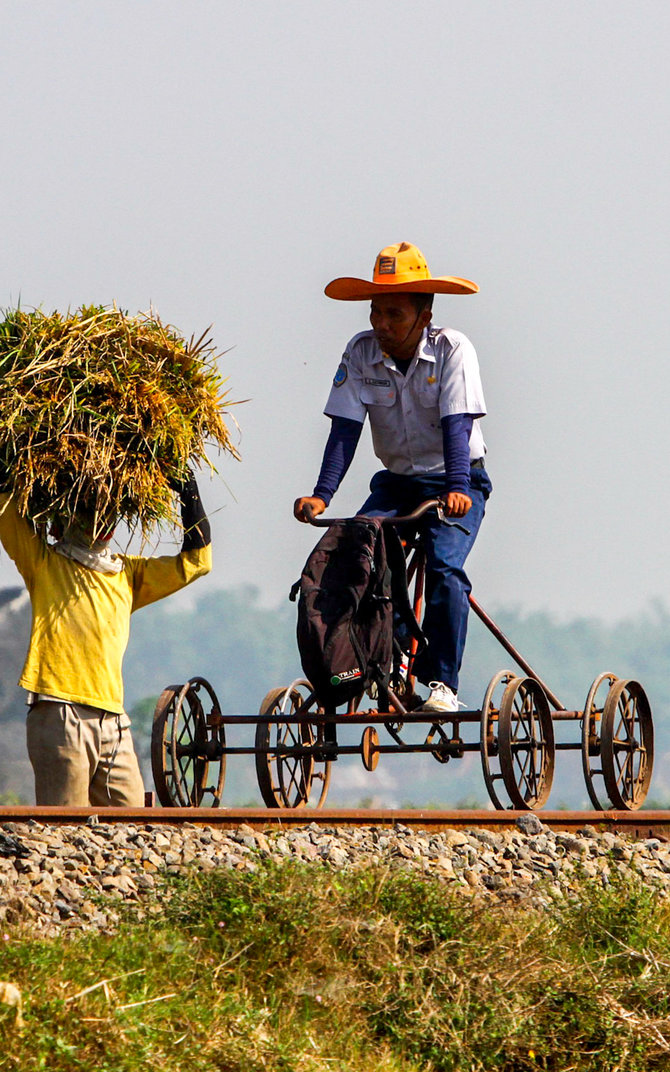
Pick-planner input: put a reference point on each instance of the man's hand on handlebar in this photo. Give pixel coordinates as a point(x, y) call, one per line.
point(317, 506)
point(309, 507)
point(456, 504)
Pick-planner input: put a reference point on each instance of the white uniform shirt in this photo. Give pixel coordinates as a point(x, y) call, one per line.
point(405, 411)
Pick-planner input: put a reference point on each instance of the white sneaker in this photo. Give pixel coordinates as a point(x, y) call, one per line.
point(442, 699)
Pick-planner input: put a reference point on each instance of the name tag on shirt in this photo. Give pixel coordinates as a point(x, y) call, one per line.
point(376, 383)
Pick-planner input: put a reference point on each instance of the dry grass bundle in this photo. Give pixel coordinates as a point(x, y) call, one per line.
point(100, 411)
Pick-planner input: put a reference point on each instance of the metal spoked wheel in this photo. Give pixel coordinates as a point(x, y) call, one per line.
point(489, 733)
point(187, 746)
point(627, 744)
point(591, 739)
point(290, 769)
point(526, 743)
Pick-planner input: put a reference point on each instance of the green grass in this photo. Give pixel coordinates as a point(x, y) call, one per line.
point(302, 968)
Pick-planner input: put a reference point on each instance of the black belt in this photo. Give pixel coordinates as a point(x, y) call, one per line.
point(477, 464)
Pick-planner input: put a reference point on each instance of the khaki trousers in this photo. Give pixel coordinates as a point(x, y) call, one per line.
point(82, 756)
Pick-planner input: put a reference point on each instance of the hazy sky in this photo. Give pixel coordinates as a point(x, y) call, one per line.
point(224, 160)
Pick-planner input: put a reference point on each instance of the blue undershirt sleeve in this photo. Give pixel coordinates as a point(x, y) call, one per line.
point(337, 457)
point(456, 429)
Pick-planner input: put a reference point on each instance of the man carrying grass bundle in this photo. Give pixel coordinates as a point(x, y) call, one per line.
point(82, 596)
point(101, 416)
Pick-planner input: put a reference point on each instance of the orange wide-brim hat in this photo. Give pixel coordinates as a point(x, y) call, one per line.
point(399, 269)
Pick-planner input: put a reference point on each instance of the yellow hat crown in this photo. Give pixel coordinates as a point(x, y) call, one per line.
point(402, 263)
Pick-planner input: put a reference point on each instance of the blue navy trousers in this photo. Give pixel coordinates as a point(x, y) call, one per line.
point(445, 620)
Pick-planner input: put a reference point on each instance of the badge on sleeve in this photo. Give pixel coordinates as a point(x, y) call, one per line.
point(340, 375)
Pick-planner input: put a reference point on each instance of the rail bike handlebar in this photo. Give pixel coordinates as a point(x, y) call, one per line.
point(421, 509)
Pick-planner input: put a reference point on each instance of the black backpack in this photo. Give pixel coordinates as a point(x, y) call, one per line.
point(350, 586)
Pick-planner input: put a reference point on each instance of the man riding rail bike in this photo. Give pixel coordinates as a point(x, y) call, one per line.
point(420, 386)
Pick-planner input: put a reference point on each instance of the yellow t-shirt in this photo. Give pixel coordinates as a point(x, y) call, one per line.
point(81, 618)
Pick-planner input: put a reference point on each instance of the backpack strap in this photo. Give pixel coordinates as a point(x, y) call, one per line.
point(295, 589)
point(378, 592)
point(395, 556)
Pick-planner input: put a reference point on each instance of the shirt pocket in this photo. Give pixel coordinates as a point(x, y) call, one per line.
point(373, 395)
point(428, 395)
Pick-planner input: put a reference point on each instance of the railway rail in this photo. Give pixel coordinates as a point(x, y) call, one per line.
point(638, 824)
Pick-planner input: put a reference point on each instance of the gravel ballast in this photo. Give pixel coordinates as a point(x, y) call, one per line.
point(58, 879)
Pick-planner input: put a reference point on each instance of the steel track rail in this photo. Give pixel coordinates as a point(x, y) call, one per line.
point(638, 824)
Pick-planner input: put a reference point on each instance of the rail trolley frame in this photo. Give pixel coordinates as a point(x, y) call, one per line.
point(295, 741)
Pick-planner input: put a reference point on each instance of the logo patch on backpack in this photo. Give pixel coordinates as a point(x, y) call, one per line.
point(346, 675)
